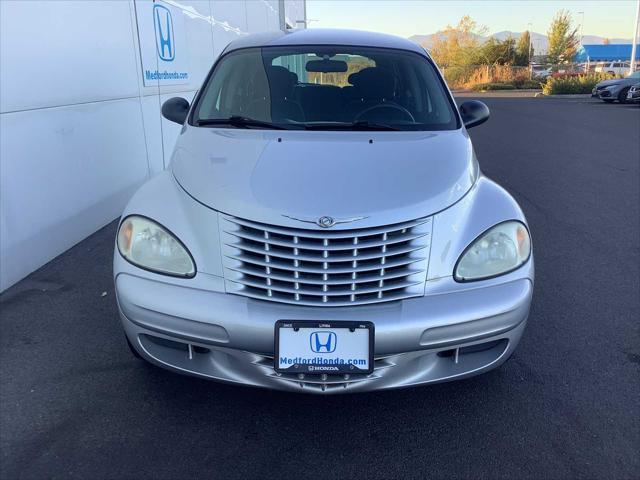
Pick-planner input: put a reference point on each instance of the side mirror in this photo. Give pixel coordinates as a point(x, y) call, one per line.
point(175, 109)
point(474, 113)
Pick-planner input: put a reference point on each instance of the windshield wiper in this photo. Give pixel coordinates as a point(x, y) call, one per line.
point(360, 125)
point(239, 122)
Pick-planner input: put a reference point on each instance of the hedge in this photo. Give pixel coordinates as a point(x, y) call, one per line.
point(573, 85)
point(517, 84)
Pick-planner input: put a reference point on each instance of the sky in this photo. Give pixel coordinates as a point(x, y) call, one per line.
point(605, 18)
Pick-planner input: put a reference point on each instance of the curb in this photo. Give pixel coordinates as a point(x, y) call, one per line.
point(505, 91)
point(566, 95)
point(516, 93)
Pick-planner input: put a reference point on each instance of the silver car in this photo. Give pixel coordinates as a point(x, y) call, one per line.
point(324, 226)
point(616, 88)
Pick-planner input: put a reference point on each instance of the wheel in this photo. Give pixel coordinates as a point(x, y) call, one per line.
point(133, 350)
point(622, 96)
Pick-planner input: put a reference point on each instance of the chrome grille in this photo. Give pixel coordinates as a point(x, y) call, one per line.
point(325, 268)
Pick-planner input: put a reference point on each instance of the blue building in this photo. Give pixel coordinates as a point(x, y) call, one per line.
point(603, 53)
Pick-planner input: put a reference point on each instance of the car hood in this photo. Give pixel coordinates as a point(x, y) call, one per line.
point(608, 83)
point(285, 177)
point(617, 81)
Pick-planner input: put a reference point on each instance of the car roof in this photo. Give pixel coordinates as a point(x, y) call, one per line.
point(325, 36)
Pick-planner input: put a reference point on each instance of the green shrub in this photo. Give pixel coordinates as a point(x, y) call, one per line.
point(493, 86)
point(573, 85)
point(529, 84)
point(516, 84)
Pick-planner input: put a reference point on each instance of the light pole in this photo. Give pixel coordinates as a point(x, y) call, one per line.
point(581, 26)
point(529, 25)
point(635, 40)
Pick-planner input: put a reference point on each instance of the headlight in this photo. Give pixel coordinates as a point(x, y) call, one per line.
point(148, 245)
point(499, 250)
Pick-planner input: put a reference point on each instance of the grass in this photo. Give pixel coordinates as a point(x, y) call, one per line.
point(476, 75)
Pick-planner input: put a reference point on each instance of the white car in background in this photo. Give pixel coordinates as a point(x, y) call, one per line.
point(614, 68)
point(540, 71)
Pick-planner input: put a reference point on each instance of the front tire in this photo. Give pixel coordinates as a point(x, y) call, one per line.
point(622, 96)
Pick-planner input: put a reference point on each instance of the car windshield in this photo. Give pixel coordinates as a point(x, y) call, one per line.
point(318, 87)
point(634, 75)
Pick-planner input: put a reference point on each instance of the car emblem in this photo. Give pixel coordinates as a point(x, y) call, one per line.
point(326, 221)
point(323, 342)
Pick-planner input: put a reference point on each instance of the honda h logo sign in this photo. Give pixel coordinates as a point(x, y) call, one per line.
point(162, 30)
point(163, 24)
point(323, 342)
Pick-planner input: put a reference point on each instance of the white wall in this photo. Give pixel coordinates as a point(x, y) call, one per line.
point(79, 128)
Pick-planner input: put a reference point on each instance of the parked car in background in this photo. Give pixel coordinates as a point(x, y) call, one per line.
point(325, 226)
point(566, 71)
point(614, 68)
point(540, 71)
point(616, 88)
point(634, 93)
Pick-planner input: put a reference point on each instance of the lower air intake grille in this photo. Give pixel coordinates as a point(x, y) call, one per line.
point(325, 268)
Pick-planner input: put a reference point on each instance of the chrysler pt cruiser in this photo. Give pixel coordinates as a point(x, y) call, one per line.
point(324, 225)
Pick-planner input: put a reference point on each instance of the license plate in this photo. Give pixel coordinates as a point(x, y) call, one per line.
point(313, 347)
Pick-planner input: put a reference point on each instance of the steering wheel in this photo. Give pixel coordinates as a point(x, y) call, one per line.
point(393, 106)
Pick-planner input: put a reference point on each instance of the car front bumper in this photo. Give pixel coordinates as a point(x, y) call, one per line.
point(633, 96)
point(454, 331)
point(610, 93)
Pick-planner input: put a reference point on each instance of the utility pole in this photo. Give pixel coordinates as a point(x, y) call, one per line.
point(635, 40)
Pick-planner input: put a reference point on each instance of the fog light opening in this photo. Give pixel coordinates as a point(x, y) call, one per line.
point(190, 349)
point(457, 354)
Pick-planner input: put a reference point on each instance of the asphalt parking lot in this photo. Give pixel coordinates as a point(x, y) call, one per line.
point(76, 404)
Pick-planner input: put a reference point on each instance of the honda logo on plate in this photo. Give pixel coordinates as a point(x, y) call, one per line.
point(163, 24)
point(323, 342)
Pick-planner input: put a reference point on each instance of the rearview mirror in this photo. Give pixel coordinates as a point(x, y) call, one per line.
point(326, 66)
point(175, 109)
point(474, 113)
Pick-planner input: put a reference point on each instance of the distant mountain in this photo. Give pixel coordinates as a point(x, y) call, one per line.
point(595, 40)
point(540, 42)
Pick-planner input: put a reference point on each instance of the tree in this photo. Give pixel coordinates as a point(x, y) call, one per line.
point(458, 45)
point(496, 52)
point(523, 55)
point(563, 38)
